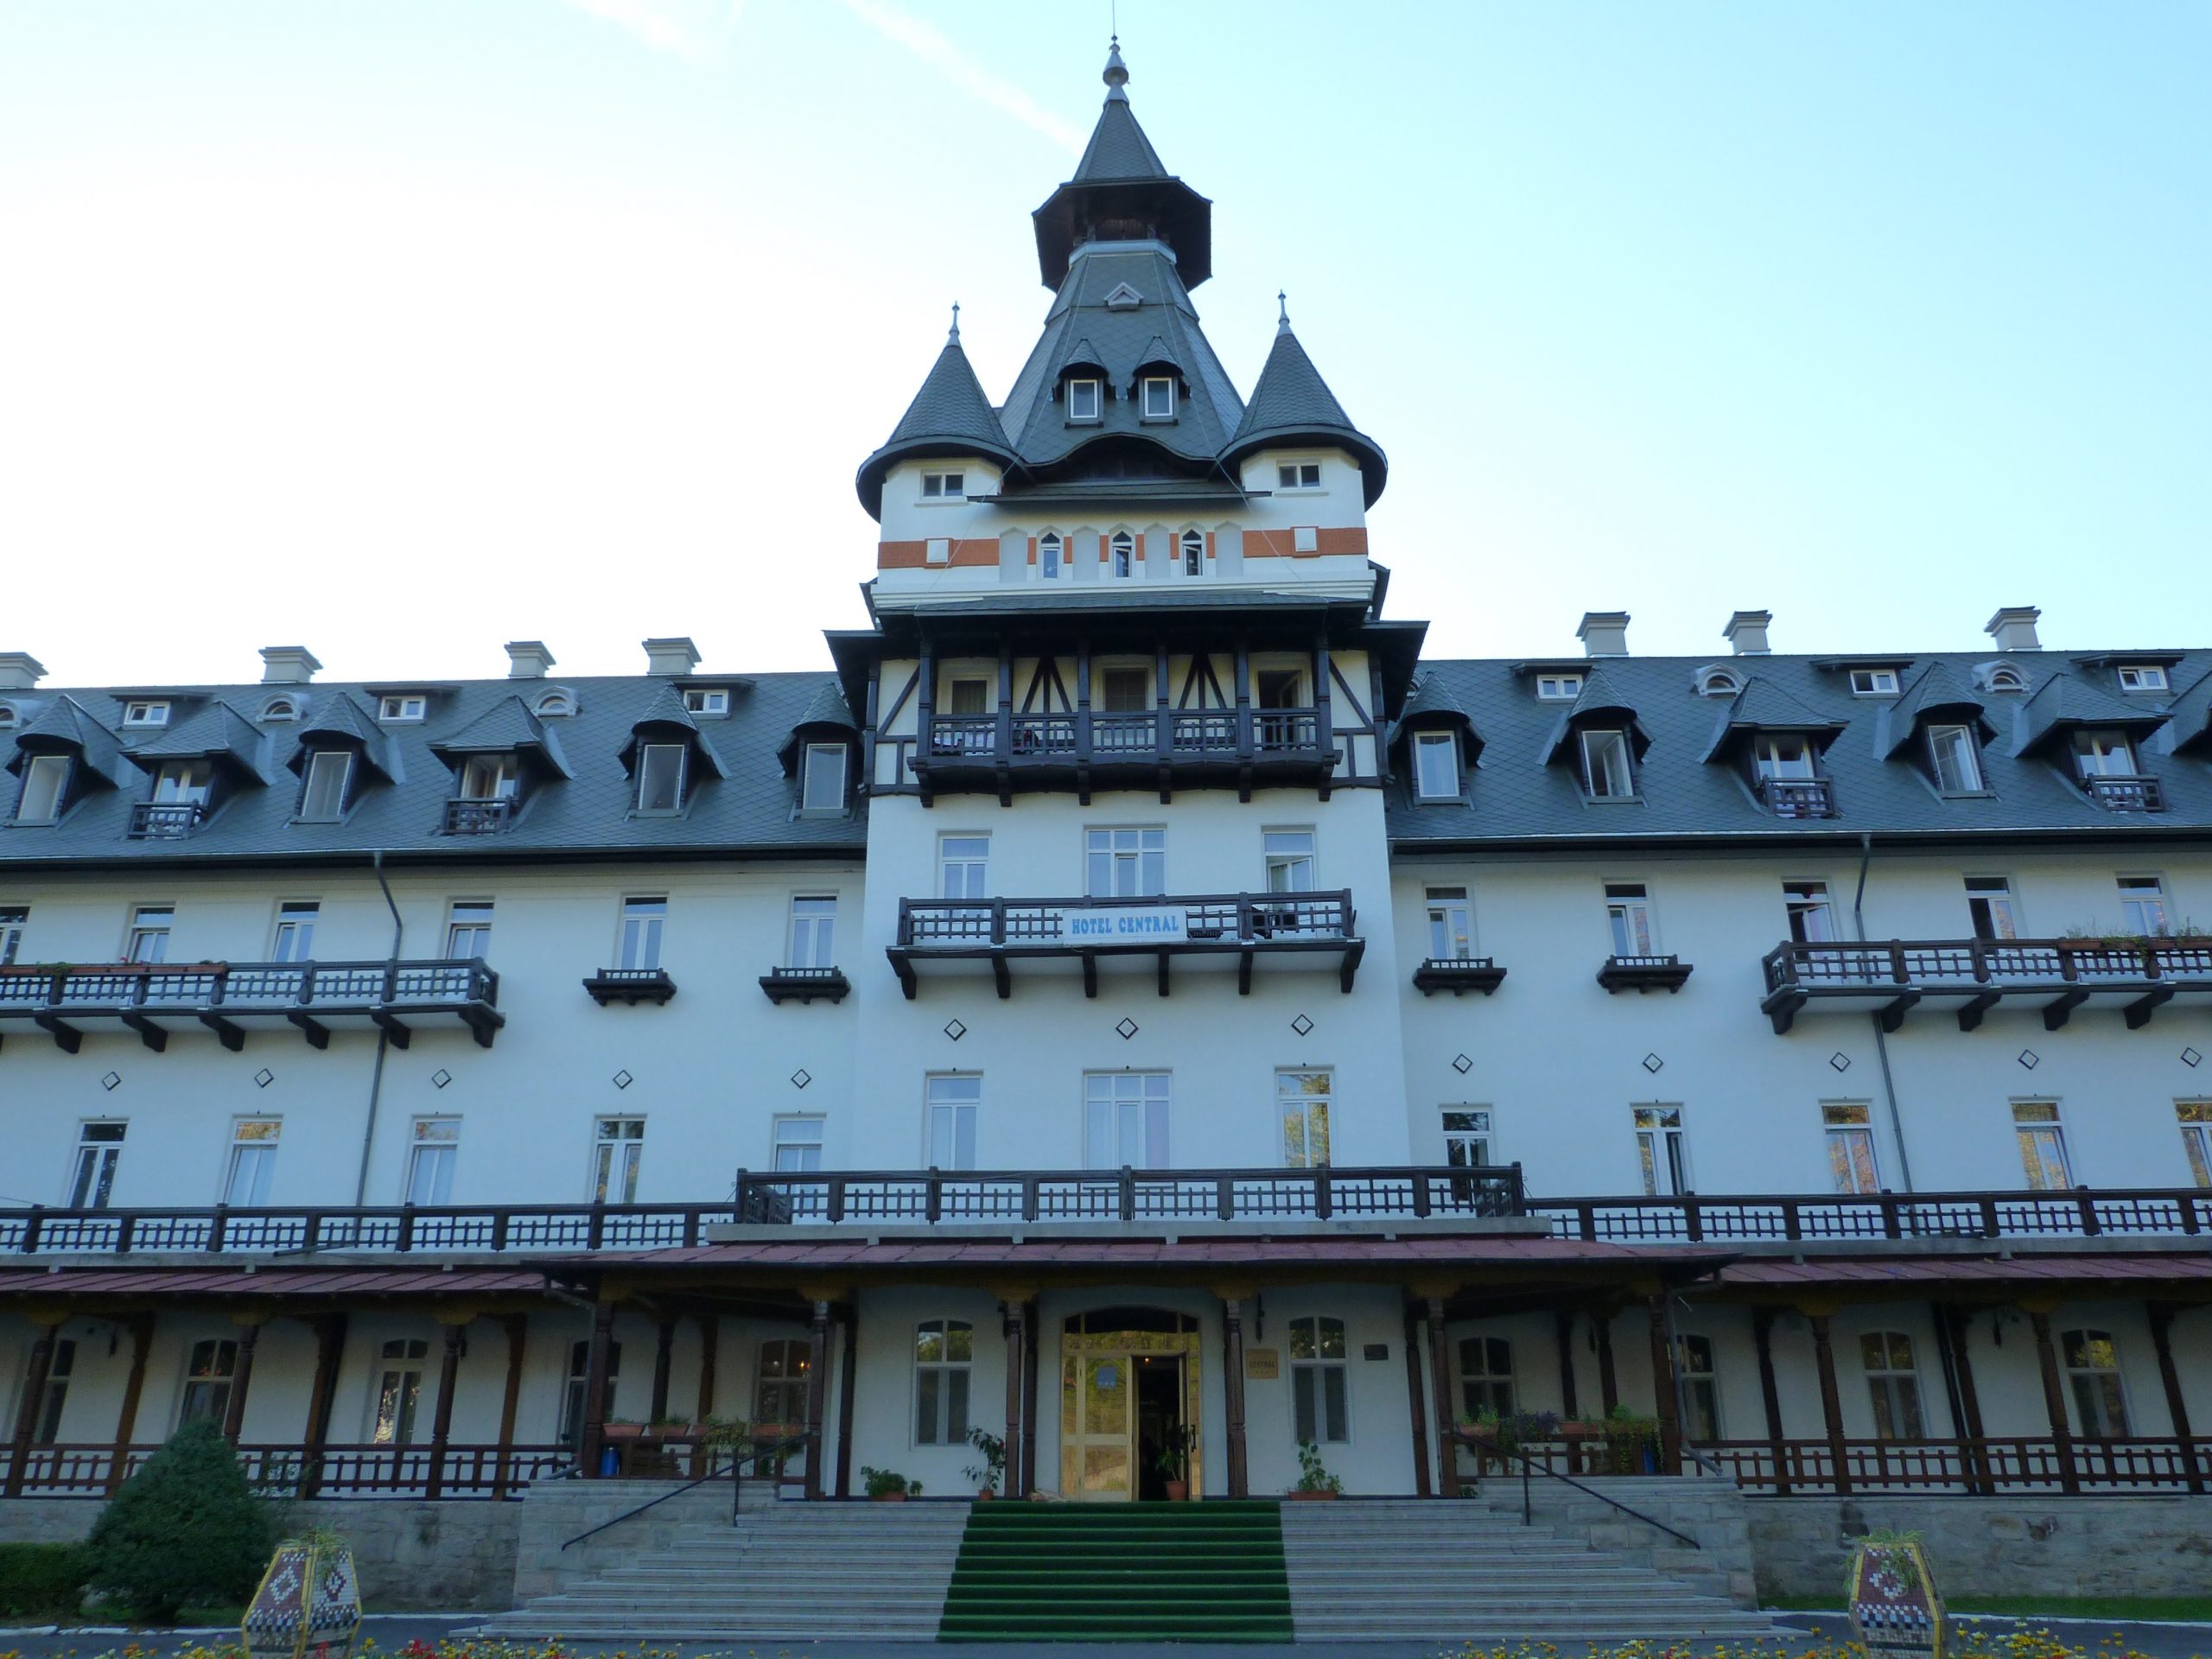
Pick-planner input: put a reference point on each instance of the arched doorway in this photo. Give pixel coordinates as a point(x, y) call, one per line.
point(1128, 1387)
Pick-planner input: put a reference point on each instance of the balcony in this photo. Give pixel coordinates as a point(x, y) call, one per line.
point(805, 984)
point(1798, 797)
point(1458, 974)
point(1245, 931)
point(474, 818)
point(1874, 1217)
point(1086, 750)
point(2125, 794)
point(156, 1000)
point(1642, 973)
point(630, 985)
point(1971, 977)
point(165, 820)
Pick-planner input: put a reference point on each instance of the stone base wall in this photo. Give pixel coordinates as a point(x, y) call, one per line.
point(2022, 1546)
point(555, 1512)
point(1708, 1509)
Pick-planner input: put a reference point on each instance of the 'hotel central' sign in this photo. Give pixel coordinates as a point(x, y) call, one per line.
point(1152, 925)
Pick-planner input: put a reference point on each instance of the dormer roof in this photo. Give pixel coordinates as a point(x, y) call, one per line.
point(338, 721)
point(666, 717)
point(826, 714)
point(507, 728)
point(2188, 719)
point(1937, 693)
point(1763, 706)
point(64, 724)
point(2063, 705)
point(216, 732)
point(1600, 703)
point(1430, 706)
point(1292, 404)
point(949, 416)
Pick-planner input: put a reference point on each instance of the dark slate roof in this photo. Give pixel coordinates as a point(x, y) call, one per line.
point(1513, 796)
point(1118, 148)
point(1292, 404)
point(66, 723)
point(949, 416)
point(1763, 706)
point(2189, 730)
point(1938, 690)
point(213, 732)
point(741, 804)
point(1121, 180)
point(2063, 703)
point(507, 726)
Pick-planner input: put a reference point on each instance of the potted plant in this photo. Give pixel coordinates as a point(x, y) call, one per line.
point(621, 1428)
point(1315, 1480)
point(1175, 1464)
point(986, 1474)
point(1631, 1442)
point(1487, 1430)
point(889, 1485)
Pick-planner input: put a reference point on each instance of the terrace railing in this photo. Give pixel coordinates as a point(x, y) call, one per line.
point(1692, 1218)
point(453, 1471)
point(2008, 1464)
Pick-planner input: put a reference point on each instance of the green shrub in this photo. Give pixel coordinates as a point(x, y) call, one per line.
point(184, 1528)
point(42, 1581)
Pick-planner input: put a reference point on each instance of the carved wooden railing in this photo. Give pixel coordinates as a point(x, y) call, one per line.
point(453, 1471)
point(1728, 1218)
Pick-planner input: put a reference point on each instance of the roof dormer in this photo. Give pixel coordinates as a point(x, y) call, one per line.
point(63, 756)
point(196, 763)
point(1600, 734)
point(339, 749)
point(1778, 743)
point(666, 755)
point(498, 760)
point(1435, 742)
point(1939, 725)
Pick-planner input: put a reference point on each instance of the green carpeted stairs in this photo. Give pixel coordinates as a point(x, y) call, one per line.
point(1204, 1571)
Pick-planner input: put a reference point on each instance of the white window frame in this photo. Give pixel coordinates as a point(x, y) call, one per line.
point(1163, 384)
point(14, 920)
point(2042, 1142)
point(1320, 1381)
point(1133, 858)
point(207, 1387)
point(1957, 745)
point(291, 935)
point(555, 705)
point(1632, 921)
point(1295, 1097)
point(945, 487)
point(618, 1152)
point(1874, 681)
point(1286, 865)
point(396, 1403)
point(951, 1105)
point(433, 1152)
point(2141, 677)
point(2143, 909)
point(1297, 476)
point(1470, 1135)
point(795, 1143)
point(279, 709)
point(963, 862)
point(1086, 390)
point(45, 793)
point(468, 929)
point(1558, 688)
point(2096, 750)
point(653, 761)
point(810, 934)
point(1051, 555)
point(944, 1425)
point(1126, 1119)
point(1998, 906)
point(1193, 542)
point(490, 777)
point(1121, 555)
point(640, 930)
point(813, 784)
point(1663, 1149)
point(399, 707)
point(1804, 901)
point(251, 1160)
point(1786, 757)
point(1607, 756)
point(1450, 923)
point(1894, 1395)
point(1432, 750)
point(146, 711)
point(1718, 682)
point(2079, 1374)
point(184, 783)
point(712, 701)
point(1697, 1366)
point(94, 1161)
point(152, 927)
point(319, 765)
point(2194, 1119)
point(1853, 1162)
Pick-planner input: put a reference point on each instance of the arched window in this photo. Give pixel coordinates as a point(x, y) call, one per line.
point(1701, 1389)
point(1485, 1376)
point(1318, 1383)
point(1718, 682)
point(1892, 1384)
point(944, 1349)
point(2006, 677)
point(276, 708)
point(1194, 553)
point(1124, 549)
point(779, 1385)
point(7, 714)
point(2093, 1374)
point(556, 703)
point(399, 1391)
point(1048, 557)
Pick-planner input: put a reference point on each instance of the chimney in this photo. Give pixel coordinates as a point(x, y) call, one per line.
point(287, 665)
point(527, 659)
point(20, 671)
point(1746, 632)
point(670, 657)
point(1603, 633)
point(2013, 628)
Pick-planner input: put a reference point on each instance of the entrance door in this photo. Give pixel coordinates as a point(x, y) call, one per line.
point(1159, 1379)
point(1128, 1383)
point(1098, 1424)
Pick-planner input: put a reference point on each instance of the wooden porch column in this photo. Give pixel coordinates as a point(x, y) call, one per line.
point(2054, 1400)
point(1232, 1391)
point(848, 1386)
point(1563, 1330)
point(1415, 1410)
point(1770, 1396)
point(141, 1327)
point(1831, 1403)
point(817, 1364)
point(2161, 1324)
point(516, 1325)
point(664, 1358)
point(1030, 1374)
point(711, 1334)
point(1609, 1383)
point(322, 1392)
point(1951, 1331)
point(594, 1425)
point(242, 1379)
point(1440, 1388)
point(1663, 1389)
point(35, 1371)
point(1017, 1348)
point(456, 1327)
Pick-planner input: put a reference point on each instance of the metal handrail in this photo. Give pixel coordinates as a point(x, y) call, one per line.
point(1528, 1463)
point(735, 1471)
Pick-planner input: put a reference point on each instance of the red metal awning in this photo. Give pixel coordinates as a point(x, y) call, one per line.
point(2017, 1272)
point(287, 1282)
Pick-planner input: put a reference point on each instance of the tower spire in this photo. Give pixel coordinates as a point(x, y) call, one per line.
point(1283, 321)
point(1117, 76)
point(953, 337)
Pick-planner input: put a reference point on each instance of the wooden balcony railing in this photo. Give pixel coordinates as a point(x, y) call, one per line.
point(155, 999)
point(1243, 926)
point(2015, 1464)
point(475, 818)
point(2125, 794)
point(1644, 974)
point(1691, 1218)
point(165, 820)
point(631, 985)
point(1091, 737)
point(1892, 977)
point(867, 1198)
point(1798, 797)
point(536, 1229)
point(297, 1471)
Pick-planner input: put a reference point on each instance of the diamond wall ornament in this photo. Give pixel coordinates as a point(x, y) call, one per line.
point(440, 1078)
point(2030, 1058)
point(1127, 1028)
point(1652, 1063)
point(1301, 1025)
point(1840, 1061)
point(801, 1077)
point(112, 1082)
point(1462, 1064)
point(623, 1079)
point(955, 1030)
point(263, 1077)
point(2190, 1057)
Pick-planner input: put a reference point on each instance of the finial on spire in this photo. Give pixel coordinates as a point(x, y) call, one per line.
point(1283, 321)
point(953, 339)
point(1117, 75)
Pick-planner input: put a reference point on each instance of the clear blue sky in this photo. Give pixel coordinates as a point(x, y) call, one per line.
point(403, 327)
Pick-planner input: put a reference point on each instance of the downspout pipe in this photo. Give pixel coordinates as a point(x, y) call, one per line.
point(383, 1041)
point(1881, 1037)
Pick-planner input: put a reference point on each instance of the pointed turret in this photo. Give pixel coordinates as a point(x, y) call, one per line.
point(1121, 192)
point(949, 416)
point(1293, 405)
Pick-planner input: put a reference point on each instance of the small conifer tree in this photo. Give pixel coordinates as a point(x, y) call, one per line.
point(184, 1530)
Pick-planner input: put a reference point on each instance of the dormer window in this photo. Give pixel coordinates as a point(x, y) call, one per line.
point(1956, 759)
point(403, 706)
point(46, 788)
point(1299, 475)
point(2003, 676)
point(2142, 677)
point(1786, 756)
point(822, 784)
point(280, 709)
point(706, 700)
point(1123, 548)
point(490, 778)
point(556, 705)
point(7, 714)
point(1048, 557)
point(145, 713)
point(660, 777)
point(322, 798)
point(1608, 772)
point(1874, 681)
point(1436, 766)
point(1717, 682)
point(1559, 688)
point(1158, 398)
point(183, 783)
point(1194, 553)
point(2103, 755)
point(1083, 401)
point(945, 487)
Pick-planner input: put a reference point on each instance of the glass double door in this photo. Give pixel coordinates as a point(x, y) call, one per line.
point(1123, 1412)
